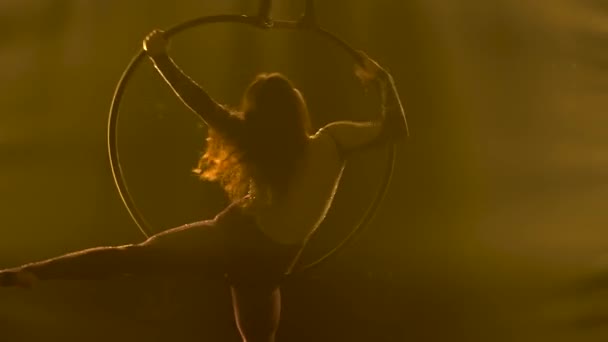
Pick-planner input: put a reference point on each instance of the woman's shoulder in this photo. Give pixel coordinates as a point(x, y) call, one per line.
point(324, 142)
point(322, 135)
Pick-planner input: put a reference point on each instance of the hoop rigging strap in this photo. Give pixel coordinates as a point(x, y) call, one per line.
point(263, 21)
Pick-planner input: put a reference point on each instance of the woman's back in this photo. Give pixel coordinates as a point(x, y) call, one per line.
point(293, 217)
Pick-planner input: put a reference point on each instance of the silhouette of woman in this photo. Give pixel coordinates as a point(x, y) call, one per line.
point(273, 169)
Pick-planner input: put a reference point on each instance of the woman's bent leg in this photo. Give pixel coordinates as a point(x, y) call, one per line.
point(257, 310)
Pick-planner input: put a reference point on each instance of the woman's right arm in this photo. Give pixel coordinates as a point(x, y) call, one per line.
point(188, 91)
point(352, 136)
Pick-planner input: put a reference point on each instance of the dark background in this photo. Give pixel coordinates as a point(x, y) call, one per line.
point(498, 201)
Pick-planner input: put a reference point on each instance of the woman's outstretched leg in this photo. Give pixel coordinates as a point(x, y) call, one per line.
point(185, 250)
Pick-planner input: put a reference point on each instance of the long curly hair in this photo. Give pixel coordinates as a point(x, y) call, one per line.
point(263, 160)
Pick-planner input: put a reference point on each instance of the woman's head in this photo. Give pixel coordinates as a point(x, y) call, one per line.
point(277, 126)
point(272, 105)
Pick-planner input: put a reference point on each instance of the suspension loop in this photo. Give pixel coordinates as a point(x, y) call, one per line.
point(309, 19)
point(264, 14)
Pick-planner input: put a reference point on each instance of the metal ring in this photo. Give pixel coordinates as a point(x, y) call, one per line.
point(262, 23)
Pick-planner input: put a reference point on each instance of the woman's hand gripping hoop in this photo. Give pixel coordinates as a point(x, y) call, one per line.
point(155, 44)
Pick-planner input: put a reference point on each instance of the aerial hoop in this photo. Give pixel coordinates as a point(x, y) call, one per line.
point(262, 20)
